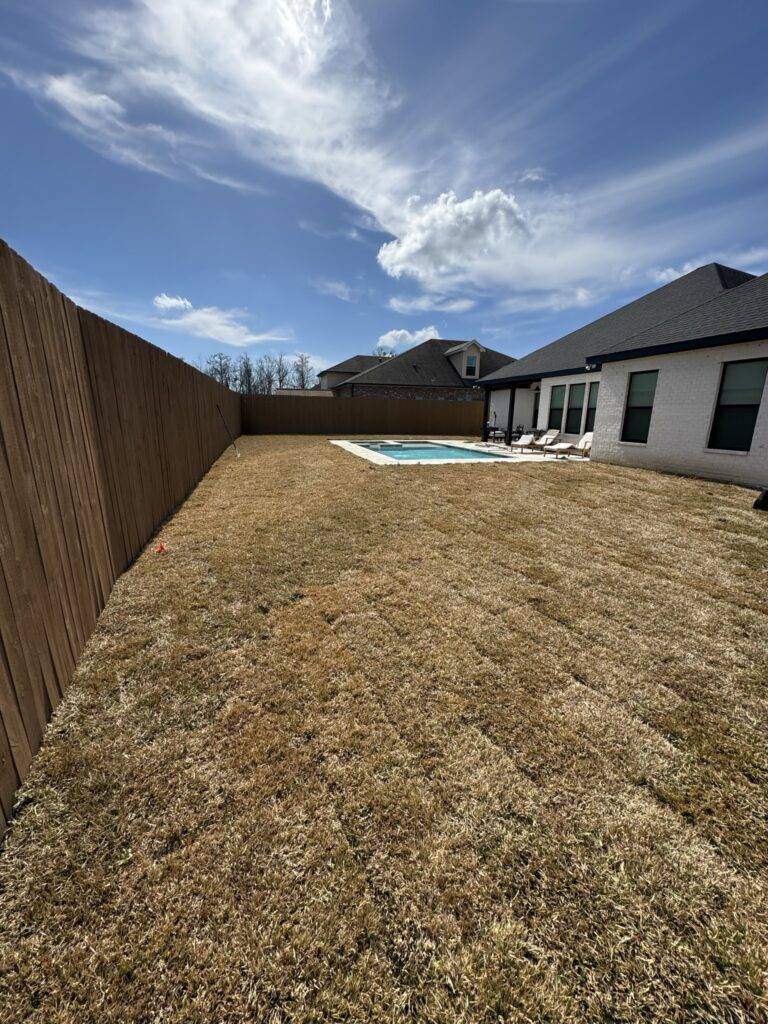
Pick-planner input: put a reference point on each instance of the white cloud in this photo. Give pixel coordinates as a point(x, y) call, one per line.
point(167, 303)
point(429, 303)
point(292, 86)
point(755, 260)
point(223, 325)
point(401, 339)
point(337, 290)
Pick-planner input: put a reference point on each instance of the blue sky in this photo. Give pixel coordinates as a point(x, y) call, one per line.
point(316, 175)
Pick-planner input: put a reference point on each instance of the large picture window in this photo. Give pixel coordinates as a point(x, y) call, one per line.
point(556, 406)
point(637, 416)
point(738, 402)
point(575, 408)
point(594, 389)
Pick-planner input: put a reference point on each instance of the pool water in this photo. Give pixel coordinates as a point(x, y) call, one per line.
point(424, 451)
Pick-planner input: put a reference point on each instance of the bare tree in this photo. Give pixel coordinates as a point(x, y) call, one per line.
point(220, 367)
point(246, 375)
point(382, 352)
point(283, 372)
point(266, 375)
point(303, 375)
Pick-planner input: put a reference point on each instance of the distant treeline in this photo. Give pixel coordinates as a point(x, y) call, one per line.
point(260, 376)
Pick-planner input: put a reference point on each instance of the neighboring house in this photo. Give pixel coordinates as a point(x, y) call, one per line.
point(674, 380)
point(302, 393)
point(435, 369)
point(335, 375)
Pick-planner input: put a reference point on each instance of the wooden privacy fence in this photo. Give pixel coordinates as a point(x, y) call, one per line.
point(101, 436)
point(288, 415)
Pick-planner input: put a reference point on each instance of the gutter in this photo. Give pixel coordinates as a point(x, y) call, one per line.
point(713, 341)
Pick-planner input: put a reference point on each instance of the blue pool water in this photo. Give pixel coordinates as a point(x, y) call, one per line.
point(413, 451)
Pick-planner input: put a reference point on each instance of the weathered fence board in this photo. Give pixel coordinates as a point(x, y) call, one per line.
point(101, 436)
point(283, 414)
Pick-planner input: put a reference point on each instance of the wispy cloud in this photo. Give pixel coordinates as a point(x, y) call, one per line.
point(336, 289)
point(293, 87)
point(428, 303)
point(176, 314)
point(226, 326)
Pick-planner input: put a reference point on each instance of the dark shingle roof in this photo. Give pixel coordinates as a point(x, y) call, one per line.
point(426, 365)
point(572, 352)
point(355, 364)
point(738, 314)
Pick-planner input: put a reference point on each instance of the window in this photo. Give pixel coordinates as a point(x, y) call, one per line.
point(536, 398)
point(575, 408)
point(556, 406)
point(470, 367)
point(741, 389)
point(589, 423)
point(637, 416)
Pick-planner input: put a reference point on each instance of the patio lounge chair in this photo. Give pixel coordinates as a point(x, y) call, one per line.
point(563, 449)
point(546, 440)
point(526, 441)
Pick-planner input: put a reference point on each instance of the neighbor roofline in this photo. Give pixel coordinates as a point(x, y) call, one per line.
point(712, 341)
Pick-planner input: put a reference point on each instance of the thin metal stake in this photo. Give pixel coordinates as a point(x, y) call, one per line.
point(227, 429)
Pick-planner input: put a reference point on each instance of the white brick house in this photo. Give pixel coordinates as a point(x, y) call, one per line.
point(674, 381)
point(682, 417)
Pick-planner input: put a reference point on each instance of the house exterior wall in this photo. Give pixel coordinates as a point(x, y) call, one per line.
point(522, 414)
point(684, 404)
point(404, 391)
point(330, 380)
point(499, 403)
point(577, 378)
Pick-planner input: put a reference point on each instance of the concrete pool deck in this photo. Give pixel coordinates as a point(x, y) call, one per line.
point(485, 453)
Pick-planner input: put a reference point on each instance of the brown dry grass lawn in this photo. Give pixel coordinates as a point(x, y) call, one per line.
point(444, 744)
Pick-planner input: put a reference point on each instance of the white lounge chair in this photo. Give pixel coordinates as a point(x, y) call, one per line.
point(546, 440)
point(563, 449)
point(526, 441)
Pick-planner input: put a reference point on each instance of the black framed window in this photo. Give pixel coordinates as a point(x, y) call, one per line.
point(575, 408)
point(594, 390)
point(637, 415)
point(536, 398)
point(470, 369)
point(556, 407)
point(738, 402)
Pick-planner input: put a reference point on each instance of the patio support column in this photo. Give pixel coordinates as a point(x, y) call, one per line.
point(510, 415)
point(486, 407)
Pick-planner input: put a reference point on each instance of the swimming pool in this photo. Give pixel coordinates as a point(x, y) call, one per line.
point(393, 452)
point(424, 451)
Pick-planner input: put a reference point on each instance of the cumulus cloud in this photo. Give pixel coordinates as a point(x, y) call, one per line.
point(167, 303)
point(402, 339)
point(444, 238)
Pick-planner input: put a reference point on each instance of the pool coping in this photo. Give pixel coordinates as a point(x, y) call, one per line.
point(356, 448)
